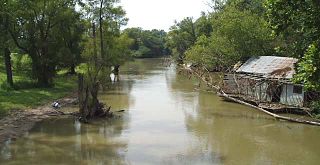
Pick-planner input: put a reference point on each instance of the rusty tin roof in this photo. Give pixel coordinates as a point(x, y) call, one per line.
point(270, 66)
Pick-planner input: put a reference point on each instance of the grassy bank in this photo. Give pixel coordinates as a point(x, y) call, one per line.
point(27, 95)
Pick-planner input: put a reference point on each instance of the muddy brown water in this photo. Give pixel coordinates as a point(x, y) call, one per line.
point(168, 120)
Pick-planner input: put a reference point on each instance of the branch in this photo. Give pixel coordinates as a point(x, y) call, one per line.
point(16, 41)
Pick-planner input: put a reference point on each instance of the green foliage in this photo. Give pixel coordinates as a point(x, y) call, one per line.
point(21, 75)
point(308, 69)
point(5, 86)
point(298, 24)
point(46, 30)
point(21, 63)
point(203, 25)
point(238, 33)
point(315, 109)
point(120, 52)
point(146, 43)
point(181, 37)
point(25, 93)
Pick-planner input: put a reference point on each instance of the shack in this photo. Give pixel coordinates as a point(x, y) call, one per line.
point(266, 81)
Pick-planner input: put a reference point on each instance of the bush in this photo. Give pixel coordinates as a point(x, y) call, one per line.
point(5, 86)
point(21, 63)
point(315, 108)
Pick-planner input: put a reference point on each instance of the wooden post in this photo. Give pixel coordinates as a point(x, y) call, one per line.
point(260, 92)
point(247, 87)
point(286, 93)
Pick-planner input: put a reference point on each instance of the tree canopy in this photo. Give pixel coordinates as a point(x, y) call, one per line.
point(236, 30)
point(147, 43)
point(298, 24)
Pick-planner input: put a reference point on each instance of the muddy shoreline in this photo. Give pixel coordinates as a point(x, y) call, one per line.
point(18, 122)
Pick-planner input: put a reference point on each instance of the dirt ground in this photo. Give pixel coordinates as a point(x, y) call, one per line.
point(19, 122)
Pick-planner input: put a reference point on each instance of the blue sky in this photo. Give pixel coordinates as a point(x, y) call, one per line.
point(160, 14)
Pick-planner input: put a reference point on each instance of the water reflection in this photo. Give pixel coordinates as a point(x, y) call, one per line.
point(65, 141)
point(169, 119)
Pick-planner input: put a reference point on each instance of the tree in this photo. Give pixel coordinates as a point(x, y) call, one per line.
point(181, 37)
point(298, 23)
point(35, 30)
point(5, 40)
point(203, 25)
point(308, 68)
point(99, 58)
point(238, 33)
point(70, 47)
point(147, 43)
point(120, 52)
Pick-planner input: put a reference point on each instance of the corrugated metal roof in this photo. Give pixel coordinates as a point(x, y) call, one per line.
point(270, 66)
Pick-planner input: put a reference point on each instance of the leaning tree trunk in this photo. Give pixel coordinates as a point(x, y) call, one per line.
point(7, 60)
point(89, 105)
point(83, 95)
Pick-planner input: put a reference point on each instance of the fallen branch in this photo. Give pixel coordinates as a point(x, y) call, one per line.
point(221, 93)
point(269, 113)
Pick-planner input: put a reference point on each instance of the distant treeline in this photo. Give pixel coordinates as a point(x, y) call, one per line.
point(147, 43)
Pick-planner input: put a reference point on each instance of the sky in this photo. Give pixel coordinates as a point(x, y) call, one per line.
point(161, 14)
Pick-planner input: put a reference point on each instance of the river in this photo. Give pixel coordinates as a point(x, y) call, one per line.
point(168, 120)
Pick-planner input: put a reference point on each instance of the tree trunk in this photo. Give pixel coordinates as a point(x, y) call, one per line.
point(94, 43)
point(101, 30)
point(89, 104)
point(7, 60)
point(73, 69)
point(41, 72)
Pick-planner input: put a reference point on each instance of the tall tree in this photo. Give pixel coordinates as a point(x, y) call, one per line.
point(297, 22)
point(70, 47)
point(5, 39)
point(100, 53)
point(182, 36)
point(238, 32)
point(147, 43)
point(35, 30)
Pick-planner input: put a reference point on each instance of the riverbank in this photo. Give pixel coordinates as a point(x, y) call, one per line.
point(31, 97)
point(206, 78)
point(17, 122)
point(25, 94)
point(26, 104)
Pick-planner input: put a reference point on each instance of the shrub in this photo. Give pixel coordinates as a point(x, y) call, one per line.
point(315, 108)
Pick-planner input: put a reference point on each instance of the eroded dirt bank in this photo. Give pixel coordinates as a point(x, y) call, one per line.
point(20, 121)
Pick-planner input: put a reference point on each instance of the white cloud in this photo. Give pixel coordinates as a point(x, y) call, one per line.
point(160, 14)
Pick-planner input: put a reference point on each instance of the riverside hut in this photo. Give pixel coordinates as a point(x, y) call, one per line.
point(266, 81)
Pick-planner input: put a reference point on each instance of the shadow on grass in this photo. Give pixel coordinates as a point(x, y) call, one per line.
point(28, 95)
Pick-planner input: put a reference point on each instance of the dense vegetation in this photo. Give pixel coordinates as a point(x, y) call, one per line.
point(236, 30)
point(147, 43)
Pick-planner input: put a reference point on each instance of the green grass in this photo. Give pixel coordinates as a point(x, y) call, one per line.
point(27, 95)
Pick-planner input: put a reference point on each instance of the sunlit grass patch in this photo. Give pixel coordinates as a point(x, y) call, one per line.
point(25, 93)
